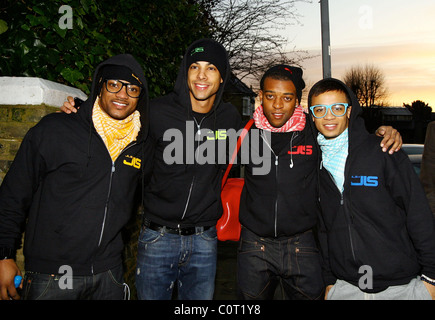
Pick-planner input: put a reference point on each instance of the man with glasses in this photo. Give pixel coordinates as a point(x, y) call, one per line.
point(378, 235)
point(337, 110)
point(76, 180)
point(278, 208)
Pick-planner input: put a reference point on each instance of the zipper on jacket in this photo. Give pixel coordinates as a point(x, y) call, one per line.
point(198, 125)
point(276, 199)
point(351, 243)
point(105, 211)
point(107, 204)
point(198, 132)
point(188, 199)
point(276, 179)
point(348, 217)
point(349, 226)
point(112, 171)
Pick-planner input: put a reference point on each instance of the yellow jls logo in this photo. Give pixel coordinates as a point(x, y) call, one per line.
point(135, 162)
point(218, 135)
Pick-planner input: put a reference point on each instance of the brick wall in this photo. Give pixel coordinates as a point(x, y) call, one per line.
point(15, 121)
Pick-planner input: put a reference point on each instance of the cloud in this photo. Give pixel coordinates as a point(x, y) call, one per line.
point(409, 68)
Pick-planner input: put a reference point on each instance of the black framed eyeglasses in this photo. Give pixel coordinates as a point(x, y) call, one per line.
point(337, 109)
point(114, 86)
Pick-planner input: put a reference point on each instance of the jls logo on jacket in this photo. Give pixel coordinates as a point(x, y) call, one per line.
point(366, 181)
point(132, 162)
point(304, 150)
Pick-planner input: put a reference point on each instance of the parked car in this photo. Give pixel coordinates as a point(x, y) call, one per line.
point(415, 154)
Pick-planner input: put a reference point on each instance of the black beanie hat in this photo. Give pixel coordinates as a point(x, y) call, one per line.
point(210, 51)
point(283, 71)
point(117, 72)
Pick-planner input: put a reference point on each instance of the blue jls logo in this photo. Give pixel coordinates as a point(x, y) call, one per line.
point(367, 181)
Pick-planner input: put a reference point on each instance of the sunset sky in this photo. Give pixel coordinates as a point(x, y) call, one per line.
point(397, 36)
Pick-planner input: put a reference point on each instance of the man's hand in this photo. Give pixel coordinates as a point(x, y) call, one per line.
point(68, 106)
point(8, 271)
point(391, 139)
point(430, 288)
point(327, 290)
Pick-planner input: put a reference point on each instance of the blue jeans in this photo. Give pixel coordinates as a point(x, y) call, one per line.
point(166, 260)
point(263, 263)
point(107, 285)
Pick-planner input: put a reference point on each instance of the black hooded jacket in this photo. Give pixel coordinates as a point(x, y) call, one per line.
point(75, 199)
point(381, 220)
point(185, 183)
point(280, 200)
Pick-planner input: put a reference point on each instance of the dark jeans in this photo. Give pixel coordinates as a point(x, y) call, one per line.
point(107, 285)
point(262, 263)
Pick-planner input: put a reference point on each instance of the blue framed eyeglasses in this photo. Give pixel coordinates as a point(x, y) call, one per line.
point(337, 109)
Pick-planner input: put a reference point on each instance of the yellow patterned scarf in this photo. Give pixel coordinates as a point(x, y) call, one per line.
point(116, 134)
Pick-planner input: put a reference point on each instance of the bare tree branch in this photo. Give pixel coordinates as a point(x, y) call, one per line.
point(368, 84)
point(248, 30)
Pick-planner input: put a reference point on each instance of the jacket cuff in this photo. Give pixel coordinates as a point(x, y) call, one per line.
point(7, 253)
point(329, 279)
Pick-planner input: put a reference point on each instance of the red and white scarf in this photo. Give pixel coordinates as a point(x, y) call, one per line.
point(295, 123)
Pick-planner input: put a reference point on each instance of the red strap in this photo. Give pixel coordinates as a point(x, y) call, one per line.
point(236, 150)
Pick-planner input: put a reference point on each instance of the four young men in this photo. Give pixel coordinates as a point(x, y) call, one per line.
point(177, 244)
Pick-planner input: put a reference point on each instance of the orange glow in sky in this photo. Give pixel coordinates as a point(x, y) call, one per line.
point(397, 36)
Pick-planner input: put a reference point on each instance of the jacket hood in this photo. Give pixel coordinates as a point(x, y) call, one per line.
point(125, 60)
point(181, 88)
point(357, 129)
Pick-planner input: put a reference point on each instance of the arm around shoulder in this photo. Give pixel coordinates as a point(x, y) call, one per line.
point(392, 139)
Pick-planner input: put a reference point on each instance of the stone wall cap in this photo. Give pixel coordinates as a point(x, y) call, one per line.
point(35, 91)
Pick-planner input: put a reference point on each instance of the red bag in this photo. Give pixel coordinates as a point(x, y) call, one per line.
point(228, 226)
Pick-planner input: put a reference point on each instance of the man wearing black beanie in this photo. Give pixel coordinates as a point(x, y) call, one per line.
point(210, 51)
point(178, 243)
